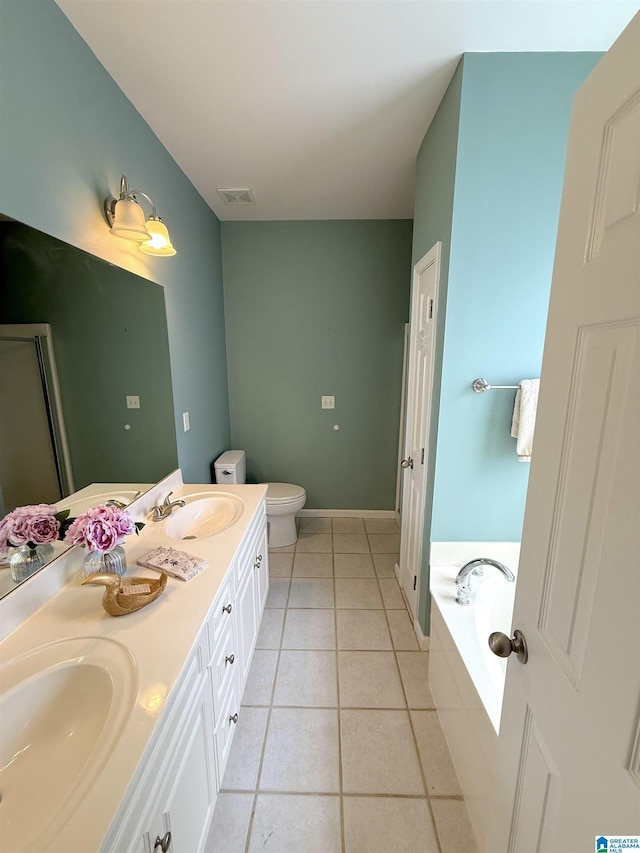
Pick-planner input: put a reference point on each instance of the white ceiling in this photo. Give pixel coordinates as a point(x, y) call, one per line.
point(319, 106)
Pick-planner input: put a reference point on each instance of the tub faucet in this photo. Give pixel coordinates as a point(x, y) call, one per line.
point(165, 509)
point(463, 580)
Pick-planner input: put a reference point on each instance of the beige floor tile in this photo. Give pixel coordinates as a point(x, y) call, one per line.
point(363, 629)
point(386, 824)
point(260, 679)
point(306, 679)
point(384, 543)
point(348, 525)
point(286, 549)
point(309, 629)
point(381, 525)
point(414, 671)
point(280, 564)
point(358, 594)
point(453, 826)
point(353, 566)
point(384, 565)
point(404, 637)
point(315, 525)
point(228, 832)
point(278, 592)
point(301, 751)
point(244, 757)
point(314, 543)
point(311, 592)
point(350, 543)
point(270, 629)
point(378, 753)
point(434, 755)
point(296, 824)
point(313, 566)
point(369, 680)
point(391, 595)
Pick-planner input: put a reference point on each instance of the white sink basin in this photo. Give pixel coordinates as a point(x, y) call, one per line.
point(205, 514)
point(62, 707)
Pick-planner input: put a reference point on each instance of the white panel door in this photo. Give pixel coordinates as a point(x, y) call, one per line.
point(570, 737)
point(422, 325)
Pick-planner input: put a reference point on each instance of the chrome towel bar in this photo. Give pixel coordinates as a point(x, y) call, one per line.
point(480, 385)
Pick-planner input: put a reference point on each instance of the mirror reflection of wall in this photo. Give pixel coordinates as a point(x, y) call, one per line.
point(109, 333)
point(110, 339)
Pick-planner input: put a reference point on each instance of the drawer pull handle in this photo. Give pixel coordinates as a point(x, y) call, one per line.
point(233, 718)
point(229, 659)
point(227, 609)
point(163, 843)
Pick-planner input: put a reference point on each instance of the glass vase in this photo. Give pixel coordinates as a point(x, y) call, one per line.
point(114, 562)
point(28, 559)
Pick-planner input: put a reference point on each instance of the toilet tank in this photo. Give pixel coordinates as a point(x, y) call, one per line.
point(231, 467)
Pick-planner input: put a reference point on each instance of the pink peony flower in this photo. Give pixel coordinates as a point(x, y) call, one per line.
point(43, 529)
point(36, 523)
point(101, 535)
point(100, 528)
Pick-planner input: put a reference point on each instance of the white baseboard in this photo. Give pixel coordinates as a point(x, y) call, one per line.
point(423, 641)
point(346, 513)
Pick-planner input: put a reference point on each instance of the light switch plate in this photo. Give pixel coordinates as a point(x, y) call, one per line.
point(328, 402)
point(185, 421)
point(133, 402)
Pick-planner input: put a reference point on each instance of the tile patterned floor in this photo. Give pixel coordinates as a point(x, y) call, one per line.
point(338, 746)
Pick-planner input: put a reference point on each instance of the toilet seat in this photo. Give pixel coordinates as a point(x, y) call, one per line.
point(281, 494)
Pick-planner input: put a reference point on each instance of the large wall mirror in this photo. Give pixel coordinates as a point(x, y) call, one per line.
point(105, 329)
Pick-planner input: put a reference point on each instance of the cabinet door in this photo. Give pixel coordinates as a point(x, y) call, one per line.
point(246, 622)
point(188, 797)
point(261, 578)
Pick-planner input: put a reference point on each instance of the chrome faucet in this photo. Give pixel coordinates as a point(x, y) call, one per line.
point(463, 580)
point(165, 509)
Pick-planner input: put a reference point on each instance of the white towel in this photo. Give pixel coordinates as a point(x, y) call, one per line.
point(524, 417)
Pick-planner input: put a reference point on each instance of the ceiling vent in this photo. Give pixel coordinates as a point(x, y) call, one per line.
point(237, 196)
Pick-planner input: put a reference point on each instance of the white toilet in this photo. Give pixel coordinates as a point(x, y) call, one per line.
point(284, 500)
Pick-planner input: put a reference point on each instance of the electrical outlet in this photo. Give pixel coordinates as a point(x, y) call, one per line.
point(133, 402)
point(328, 402)
point(185, 421)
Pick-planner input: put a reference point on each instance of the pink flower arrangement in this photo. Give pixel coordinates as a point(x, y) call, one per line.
point(101, 528)
point(38, 524)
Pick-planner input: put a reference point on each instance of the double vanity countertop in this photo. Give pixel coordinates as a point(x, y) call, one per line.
point(159, 639)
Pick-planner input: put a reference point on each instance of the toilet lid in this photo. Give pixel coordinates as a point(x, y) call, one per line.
point(282, 493)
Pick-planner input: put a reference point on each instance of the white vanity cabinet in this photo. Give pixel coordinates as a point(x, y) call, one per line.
point(170, 802)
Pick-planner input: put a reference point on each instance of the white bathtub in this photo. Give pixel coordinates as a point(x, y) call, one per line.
point(491, 609)
point(466, 678)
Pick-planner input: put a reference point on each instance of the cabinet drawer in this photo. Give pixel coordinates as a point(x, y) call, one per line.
point(224, 664)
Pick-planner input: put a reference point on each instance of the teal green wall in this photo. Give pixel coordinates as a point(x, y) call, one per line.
point(104, 322)
point(313, 309)
point(513, 126)
point(435, 181)
point(67, 133)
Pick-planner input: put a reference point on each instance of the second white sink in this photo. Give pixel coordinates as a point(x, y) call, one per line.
point(205, 514)
point(62, 707)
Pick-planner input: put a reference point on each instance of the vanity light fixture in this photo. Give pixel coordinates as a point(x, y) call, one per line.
point(126, 218)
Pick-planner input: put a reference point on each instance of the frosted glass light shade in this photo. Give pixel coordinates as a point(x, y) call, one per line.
point(160, 242)
point(128, 220)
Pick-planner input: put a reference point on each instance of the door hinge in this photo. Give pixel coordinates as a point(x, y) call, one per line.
point(430, 308)
point(422, 457)
point(415, 581)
